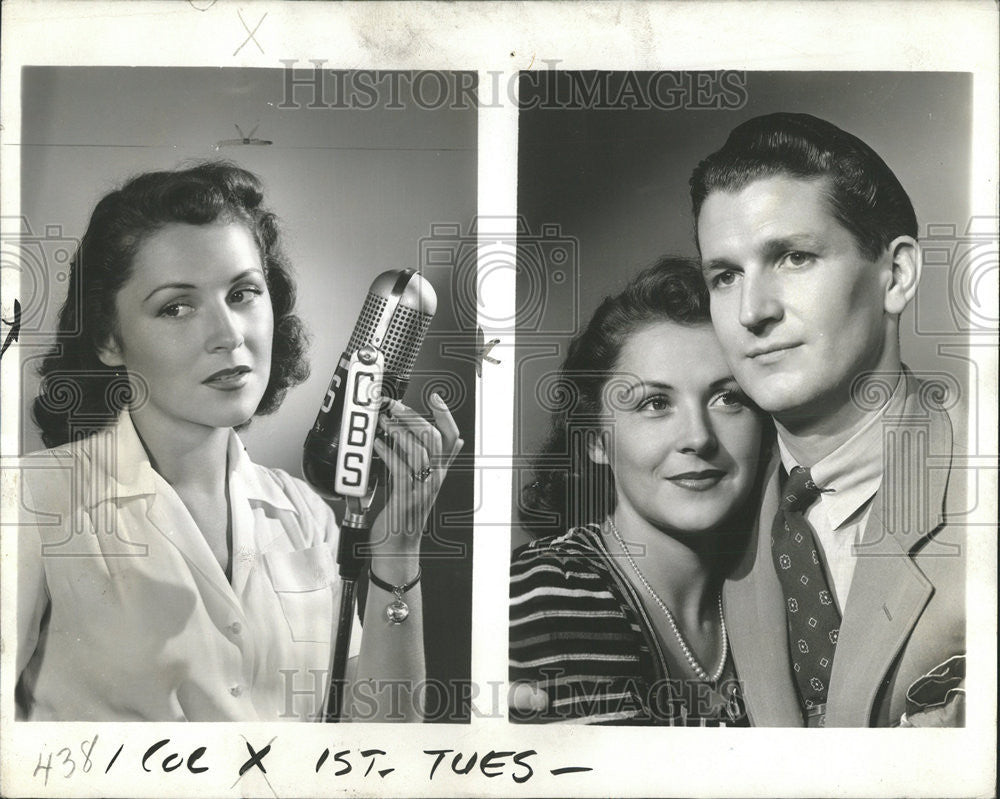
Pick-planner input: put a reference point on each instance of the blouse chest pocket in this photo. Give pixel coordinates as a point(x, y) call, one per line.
point(304, 581)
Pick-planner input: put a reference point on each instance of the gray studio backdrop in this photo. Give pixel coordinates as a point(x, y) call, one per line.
point(603, 185)
point(358, 191)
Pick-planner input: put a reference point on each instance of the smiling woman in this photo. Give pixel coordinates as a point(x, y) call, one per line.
point(620, 619)
point(201, 586)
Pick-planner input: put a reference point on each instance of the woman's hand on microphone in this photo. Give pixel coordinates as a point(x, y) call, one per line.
point(418, 455)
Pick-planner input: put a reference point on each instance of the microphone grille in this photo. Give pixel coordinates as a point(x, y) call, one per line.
point(364, 328)
point(403, 338)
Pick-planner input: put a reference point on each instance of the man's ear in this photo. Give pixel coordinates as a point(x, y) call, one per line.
point(596, 449)
point(110, 353)
point(905, 275)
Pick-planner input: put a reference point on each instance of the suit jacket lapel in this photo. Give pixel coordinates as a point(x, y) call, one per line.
point(889, 592)
point(755, 618)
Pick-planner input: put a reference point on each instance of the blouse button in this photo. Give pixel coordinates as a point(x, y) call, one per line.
point(236, 690)
point(235, 628)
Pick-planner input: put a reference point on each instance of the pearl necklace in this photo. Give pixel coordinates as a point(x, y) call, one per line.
point(696, 667)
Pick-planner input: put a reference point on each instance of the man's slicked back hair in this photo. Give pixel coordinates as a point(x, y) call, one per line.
point(865, 196)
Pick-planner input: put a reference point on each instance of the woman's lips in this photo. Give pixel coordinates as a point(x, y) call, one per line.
point(228, 379)
point(698, 481)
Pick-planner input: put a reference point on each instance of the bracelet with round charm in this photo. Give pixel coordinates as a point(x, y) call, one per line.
point(397, 611)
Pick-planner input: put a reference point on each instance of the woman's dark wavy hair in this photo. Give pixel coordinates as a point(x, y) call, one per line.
point(79, 395)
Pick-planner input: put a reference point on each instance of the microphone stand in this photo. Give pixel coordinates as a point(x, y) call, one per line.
point(355, 530)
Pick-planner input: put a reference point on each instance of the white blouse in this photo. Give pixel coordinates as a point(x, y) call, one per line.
point(124, 614)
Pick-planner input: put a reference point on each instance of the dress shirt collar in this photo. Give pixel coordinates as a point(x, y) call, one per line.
point(119, 458)
point(853, 470)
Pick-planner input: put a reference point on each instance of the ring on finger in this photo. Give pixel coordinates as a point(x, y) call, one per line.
point(421, 476)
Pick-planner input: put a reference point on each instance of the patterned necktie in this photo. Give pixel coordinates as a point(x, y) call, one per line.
point(813, 616)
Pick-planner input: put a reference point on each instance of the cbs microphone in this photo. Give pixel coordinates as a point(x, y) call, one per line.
point(338, 454)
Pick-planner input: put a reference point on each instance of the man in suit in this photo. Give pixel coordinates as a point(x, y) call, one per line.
point(848, 608)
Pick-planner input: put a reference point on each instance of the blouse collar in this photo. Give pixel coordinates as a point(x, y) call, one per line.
point(123, 469)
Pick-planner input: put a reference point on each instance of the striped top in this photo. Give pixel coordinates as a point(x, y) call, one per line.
point(579, 634)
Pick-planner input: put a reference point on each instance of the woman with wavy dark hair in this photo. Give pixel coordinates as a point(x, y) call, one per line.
point(163, 576)
point(652, 464)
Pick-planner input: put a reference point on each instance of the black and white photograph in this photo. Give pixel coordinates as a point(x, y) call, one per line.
point(735, 224)
point(500, 399)
point(222, 265)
